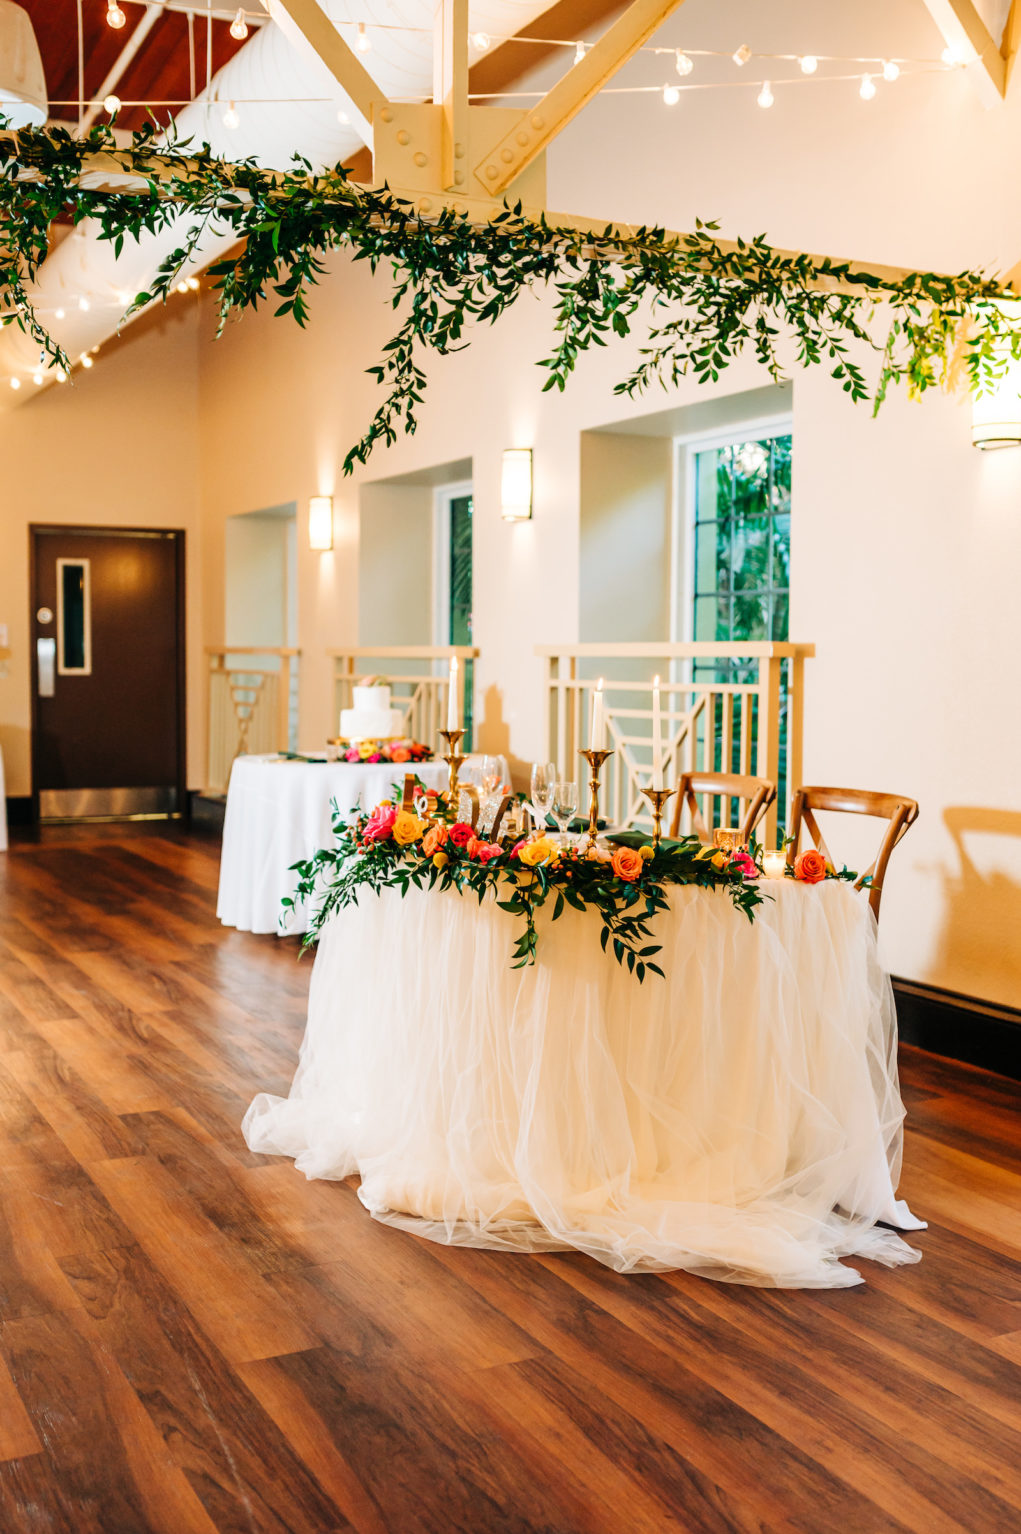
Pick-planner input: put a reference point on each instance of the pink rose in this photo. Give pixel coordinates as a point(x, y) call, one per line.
point(380, 823)
point(518, 846)
point(353, 755)
point(483, 852)
point(745, 864)
point(461, 833)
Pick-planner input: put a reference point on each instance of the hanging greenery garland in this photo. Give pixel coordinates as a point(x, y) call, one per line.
point(706, 302)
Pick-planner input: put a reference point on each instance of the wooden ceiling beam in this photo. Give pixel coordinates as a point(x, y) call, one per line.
point(308, 19)
point(964, 30)
point(533, 131)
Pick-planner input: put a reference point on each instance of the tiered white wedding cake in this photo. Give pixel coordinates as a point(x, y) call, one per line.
point(372, 718)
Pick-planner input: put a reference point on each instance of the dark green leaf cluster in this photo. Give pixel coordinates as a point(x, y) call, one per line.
point(706, 302)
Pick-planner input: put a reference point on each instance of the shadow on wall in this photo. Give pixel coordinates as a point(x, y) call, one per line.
point(979, 949)
point(492, 732)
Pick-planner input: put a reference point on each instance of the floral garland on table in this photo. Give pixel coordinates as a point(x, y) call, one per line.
point(394, 848)
point(702, 301)
point(397, 751)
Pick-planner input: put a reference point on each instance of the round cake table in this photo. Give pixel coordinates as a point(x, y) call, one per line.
point(740, 1118)
point(278, 813)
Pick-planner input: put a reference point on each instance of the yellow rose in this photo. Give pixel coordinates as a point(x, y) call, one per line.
point(407, 828)
point(541, 850)
point(646, 853)
point(440, 860)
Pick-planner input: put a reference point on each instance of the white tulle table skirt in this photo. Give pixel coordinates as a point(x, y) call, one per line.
point(740, 1119)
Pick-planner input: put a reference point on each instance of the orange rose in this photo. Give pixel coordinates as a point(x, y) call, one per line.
point(400, 754)
point(434, 840)
point(628, 863)
point(810, 866)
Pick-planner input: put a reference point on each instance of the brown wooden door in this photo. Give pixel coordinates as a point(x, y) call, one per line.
point(107, 672)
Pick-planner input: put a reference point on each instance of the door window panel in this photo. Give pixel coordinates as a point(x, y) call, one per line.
point(74, 617)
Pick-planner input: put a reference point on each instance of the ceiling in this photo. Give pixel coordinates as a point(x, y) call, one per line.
point(160, 70)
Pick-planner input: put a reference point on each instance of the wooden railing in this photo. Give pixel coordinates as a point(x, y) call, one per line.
point(251, 705)
point(419, 679)
point(725, 708)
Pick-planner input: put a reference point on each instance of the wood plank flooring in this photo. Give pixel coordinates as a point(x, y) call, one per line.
point(195, 1340)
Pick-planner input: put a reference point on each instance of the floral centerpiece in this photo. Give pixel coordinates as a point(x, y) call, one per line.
point(397, 751)
point(624, 883)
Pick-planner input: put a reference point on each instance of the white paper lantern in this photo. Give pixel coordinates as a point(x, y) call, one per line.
point(23, 96)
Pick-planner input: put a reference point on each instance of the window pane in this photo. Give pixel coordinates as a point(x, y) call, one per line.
point(73, 614)
point(780, 576)
point(751, 617)
point(781, 487)
point(751, 555)
point(712, 617)
point(780, 621)
point(712, 485)
point(712, 557)
point(751, 480)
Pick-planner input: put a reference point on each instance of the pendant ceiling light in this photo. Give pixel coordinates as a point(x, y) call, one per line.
point(22, 83)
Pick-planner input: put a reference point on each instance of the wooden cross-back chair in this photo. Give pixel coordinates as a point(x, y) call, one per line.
point(757, 794)
point(899, 812)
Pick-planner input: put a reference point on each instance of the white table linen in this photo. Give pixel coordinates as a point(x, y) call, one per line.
point(278, 812)
point(740, 1119)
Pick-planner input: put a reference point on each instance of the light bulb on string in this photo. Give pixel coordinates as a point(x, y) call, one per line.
point(15, 383)
point(809, 63)
point(683, 63)
point(83, 304)
point(765, 96)
point(480, 41)
point(741, 55)
point(868, 88)
point(115, 17)
point(952, 55)
point(58, 314)
point(891, 70)
point(239, 26)
point(231, 120)
point(111, 105)
point(182, 287)
point(85, 360)
point(37, 379)
point(343, 118)
point(61, 376)
point(671, 95)
point(579, 52)
point(193, 284)
point(363, 42)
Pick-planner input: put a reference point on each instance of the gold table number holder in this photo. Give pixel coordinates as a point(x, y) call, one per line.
point(595, 761)
point(454, 762)
point(657, 797)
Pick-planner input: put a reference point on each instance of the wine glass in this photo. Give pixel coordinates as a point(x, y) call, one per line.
point(544, 778)
point(565, 805)
point(491, 774)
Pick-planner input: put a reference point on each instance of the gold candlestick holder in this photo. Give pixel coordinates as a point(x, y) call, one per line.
point(454, 762)
point(657, 797)
point(595, 761)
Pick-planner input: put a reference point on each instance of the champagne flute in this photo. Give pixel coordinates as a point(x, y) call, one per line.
point(544, 778)
point(565, 805)
point(491, 774)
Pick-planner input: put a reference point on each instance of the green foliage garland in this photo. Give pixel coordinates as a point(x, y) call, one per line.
point(335, 877)
point(706, 303)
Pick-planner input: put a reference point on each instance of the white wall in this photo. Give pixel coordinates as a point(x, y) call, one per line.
point(906, 542)
point(260, 563)
point(117, 448)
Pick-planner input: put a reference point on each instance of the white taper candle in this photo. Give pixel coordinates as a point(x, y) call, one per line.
point(453, 709)
point(657, 737)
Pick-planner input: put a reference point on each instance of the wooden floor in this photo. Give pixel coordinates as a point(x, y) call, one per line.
point(197, 1339)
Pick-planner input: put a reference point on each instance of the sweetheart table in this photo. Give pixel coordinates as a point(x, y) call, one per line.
point(739, 1119)
point(278, 812)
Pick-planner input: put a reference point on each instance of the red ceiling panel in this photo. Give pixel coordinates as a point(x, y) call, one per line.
point(159, 72)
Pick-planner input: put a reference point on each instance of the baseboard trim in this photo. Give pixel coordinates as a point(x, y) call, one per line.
point(959, 1027)
point(19, 810)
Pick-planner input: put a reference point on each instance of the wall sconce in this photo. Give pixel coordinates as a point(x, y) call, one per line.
point(516, 484)
point(320, 523)
point(996, 416)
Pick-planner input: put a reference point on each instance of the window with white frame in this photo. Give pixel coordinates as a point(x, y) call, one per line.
point(452, 582)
